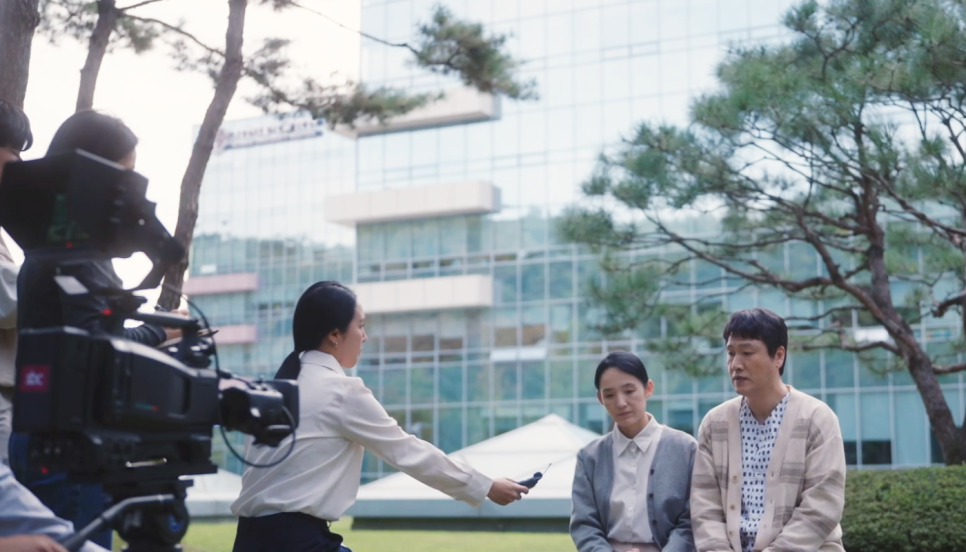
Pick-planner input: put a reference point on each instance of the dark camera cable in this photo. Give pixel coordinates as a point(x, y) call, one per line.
point(291, 421)
point(228, 375)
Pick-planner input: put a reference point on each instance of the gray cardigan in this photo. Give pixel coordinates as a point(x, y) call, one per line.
point(668, 493)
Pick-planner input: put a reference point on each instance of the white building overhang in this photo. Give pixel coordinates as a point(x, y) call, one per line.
point(436, 200)
point(456, 106)
point(444, 293)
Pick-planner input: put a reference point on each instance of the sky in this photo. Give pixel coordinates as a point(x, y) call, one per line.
point(162, 105)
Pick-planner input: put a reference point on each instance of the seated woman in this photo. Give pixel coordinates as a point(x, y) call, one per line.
point(288, 507)
point(632, 486)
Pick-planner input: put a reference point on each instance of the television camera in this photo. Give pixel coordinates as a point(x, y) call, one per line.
point(105, 409)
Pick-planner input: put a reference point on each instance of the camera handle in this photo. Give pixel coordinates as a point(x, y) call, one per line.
point(150, 516)
point(74, 542)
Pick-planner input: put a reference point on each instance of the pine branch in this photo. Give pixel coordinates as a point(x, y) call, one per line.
point(950, 369)
point(139, 4)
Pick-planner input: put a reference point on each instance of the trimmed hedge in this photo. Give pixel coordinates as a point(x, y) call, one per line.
point(915, 510)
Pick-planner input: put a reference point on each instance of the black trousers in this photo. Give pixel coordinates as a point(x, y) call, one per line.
point(287, 532)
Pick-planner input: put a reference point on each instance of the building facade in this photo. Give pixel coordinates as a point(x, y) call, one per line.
point(444, 222)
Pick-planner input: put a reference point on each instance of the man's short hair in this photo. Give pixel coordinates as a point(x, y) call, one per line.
point(14, 127)
point(763, 325)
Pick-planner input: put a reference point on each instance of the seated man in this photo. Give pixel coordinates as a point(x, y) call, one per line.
point(770, 470)
point(26, 525)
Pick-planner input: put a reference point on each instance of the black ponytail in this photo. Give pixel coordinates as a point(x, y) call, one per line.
point(324, 307)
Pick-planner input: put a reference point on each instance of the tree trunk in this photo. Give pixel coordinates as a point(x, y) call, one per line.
point(231, 73)
point(952, 439)
point(107, 14)
point(18, 20)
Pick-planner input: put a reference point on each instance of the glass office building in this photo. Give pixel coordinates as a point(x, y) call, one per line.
point(478, 321)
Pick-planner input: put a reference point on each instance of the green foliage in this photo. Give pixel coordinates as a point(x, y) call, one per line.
point(337, 104)
point(76, 19)
point(446, 46)
point(921, 510)
point(450, 46)
point(848, 141)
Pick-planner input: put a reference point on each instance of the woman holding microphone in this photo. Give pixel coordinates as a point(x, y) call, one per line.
point(289, 506)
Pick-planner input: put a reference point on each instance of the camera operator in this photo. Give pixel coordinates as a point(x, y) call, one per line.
point(43, 304)
point(26, 525)
point(289, 505)
point(15, 137)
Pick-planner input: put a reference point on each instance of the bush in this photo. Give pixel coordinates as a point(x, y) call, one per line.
point(917, 510)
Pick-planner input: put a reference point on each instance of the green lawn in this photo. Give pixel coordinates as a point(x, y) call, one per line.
point(219, 537)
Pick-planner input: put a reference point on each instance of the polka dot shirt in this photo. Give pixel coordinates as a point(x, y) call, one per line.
point(757, 444)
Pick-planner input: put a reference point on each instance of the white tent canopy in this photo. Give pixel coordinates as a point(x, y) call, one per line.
point(399, 501)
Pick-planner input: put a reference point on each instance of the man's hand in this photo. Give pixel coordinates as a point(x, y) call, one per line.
point(172, 333)
point(30, 543)
point(505, 491)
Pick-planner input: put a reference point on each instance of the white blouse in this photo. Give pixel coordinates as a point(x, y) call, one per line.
point(629, 524)
point(338, 418)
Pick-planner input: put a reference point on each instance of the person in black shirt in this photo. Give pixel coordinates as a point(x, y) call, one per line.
point(43, 304)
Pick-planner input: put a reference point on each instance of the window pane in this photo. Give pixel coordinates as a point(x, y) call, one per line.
point(450, 429)
point(424, 238)
point(616, 26)
point(452, 144)
point(533, 380)
point(505, 330)
point(477, 424)
point(421, 385)
point(561, 280)
point(560, 33)
point(588, 21)
point(505, 282)
point(398, 241)
point(422, 424)
point(806, 368)
point(592, 416)
point(586, 369)
point(534, 326)
point(681, 416)
point(532, 282)
point(505, 381)
point(394, 387)
point(452, 236)
point(876, 429)
point(424, 328)
point(505, 418)
point(912, 443)
point(478, 383)
point(452, 330)
point(561, 323)
point(451, 384)
point(561, 379)
point(395, 330)
point(839, 369)
point(844, 407)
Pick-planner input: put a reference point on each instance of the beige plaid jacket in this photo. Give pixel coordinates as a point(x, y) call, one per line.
point(804, 489)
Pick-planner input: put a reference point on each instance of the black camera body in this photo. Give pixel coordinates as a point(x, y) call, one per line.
point(95, 405)
point(106, 409)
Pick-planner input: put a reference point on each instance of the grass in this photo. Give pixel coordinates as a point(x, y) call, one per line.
point(219, 537)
